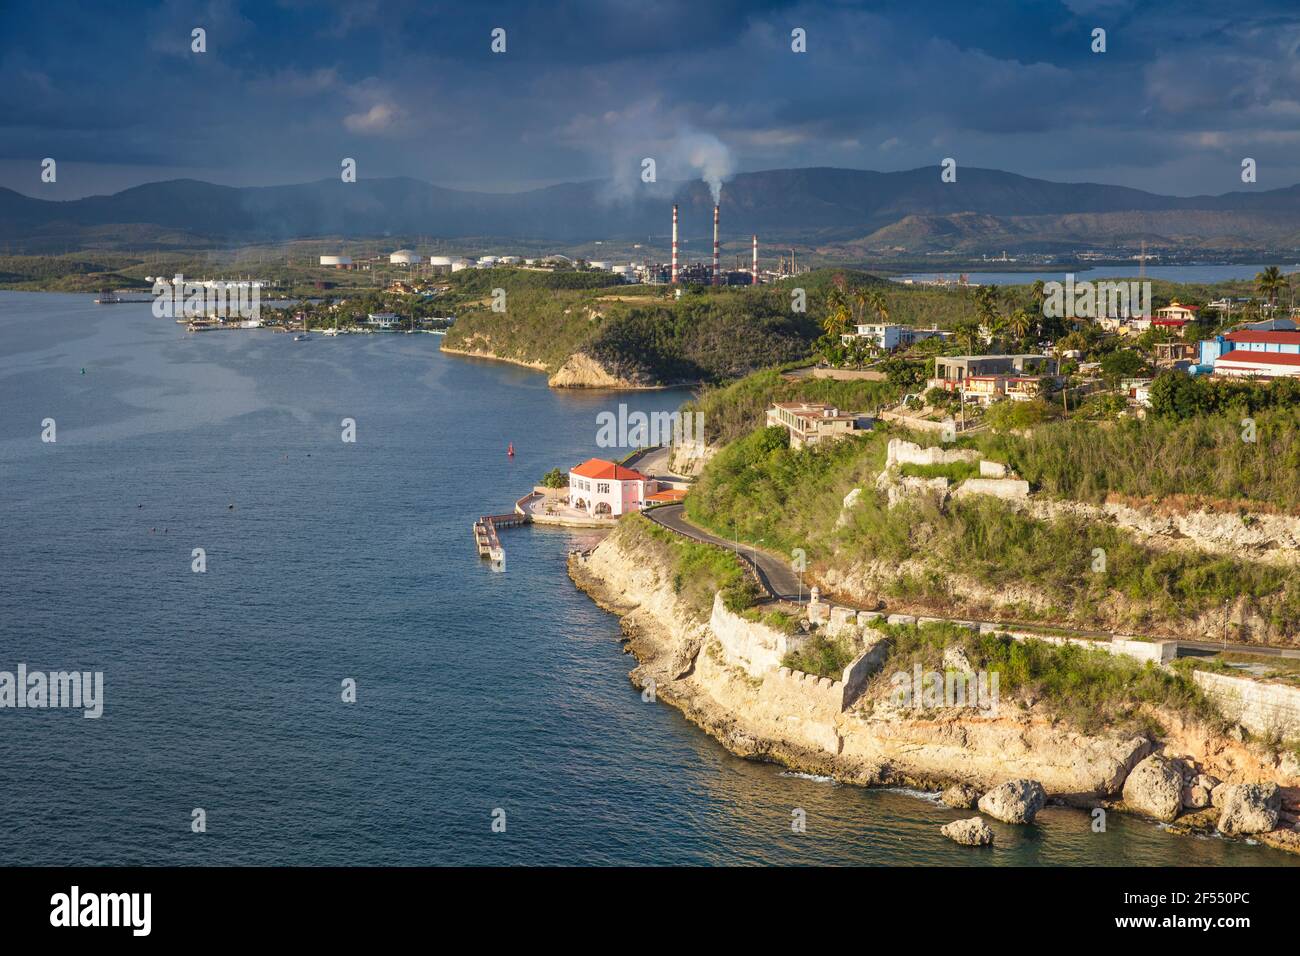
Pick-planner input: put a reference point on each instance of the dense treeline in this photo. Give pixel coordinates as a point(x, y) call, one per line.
point(705, 338)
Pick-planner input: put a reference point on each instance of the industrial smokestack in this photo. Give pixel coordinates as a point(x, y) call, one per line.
point(716, 276)
point(753, 271)
point(674, 279)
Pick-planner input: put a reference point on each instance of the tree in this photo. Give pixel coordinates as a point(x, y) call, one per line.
point(1270, 282)
point(967, 333)
point(1176, 395)
point(1019, 323)
point(1121, 364)
point(555, 479)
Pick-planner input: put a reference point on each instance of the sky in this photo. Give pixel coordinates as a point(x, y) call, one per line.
point(286, 89)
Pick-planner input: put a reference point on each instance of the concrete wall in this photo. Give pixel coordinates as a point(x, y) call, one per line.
point(1158, 652)
point(909, 453)
point(752, 645)
point(1260, 707)
point(992, 469)
point(1009, 489)
point(860, 669)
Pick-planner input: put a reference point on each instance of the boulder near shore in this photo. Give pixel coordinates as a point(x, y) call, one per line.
point(1249, 808)
point(1016, 801)
point(1155, 788)
point(972, 832)
point(960, 797)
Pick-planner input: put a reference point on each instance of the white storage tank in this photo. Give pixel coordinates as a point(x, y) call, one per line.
point(338, 262)
point(404, 257)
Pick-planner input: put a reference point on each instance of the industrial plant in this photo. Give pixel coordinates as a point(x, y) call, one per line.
point(677, 271)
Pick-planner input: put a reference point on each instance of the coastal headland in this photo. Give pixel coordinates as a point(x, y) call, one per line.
point(728, 672)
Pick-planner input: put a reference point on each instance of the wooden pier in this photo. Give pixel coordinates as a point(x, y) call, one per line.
point(485, 534)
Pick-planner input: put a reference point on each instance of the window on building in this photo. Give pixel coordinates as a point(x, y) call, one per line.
point(602, 488)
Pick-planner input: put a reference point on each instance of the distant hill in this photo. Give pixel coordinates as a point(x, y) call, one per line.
point(860, 210)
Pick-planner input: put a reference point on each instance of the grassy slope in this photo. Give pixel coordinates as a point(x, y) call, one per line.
point(760, 491)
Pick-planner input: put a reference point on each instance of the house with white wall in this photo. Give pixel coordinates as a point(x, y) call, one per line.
point(604, 488)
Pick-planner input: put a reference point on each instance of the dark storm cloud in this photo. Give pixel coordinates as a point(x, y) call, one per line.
point(587, 89)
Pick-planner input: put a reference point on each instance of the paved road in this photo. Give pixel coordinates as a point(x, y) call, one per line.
point(774, 571)
point(784, 585)
point(652, 461)
point(1216, 647)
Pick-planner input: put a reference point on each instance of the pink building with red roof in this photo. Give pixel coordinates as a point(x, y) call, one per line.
point(602, 488)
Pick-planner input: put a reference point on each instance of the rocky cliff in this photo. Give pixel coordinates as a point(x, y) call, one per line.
point(697, 662)
point(580, 370)
point(682, 659)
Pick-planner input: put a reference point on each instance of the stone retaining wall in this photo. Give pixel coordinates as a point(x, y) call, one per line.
point(1258, 706)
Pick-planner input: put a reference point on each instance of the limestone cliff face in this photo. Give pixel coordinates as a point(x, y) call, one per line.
point(773, 715)
point(1257, 537)
point(580, 370)
point(689, 458)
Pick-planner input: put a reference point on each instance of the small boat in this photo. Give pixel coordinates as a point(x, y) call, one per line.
point(108, 298)
point(301, 338)
point(510, 450)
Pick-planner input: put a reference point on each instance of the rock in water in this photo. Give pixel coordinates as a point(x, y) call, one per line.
point(1016, 801)
point(1196, 793)
point(972, 832)
point(1249, 808)
point(960, 797)
point(1155, 788)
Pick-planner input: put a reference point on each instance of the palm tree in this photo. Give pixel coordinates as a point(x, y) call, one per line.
point(1019, 323)
point(880, 305)
point(967, 333)
point(1270, 282)
point(837, 319)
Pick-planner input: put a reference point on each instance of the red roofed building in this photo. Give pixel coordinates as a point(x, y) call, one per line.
point(601, 488)
point(1175, 316)
point(1260, 341)
point(1242, 363)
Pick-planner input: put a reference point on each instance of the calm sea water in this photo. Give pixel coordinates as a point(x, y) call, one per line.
point(476, 690)
point(1187, 273)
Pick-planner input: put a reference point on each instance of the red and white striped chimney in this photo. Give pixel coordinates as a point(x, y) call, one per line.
point(716, 258)
point(753, 272)
point(674, 279)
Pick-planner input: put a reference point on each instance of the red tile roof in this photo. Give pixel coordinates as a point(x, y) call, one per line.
point(668, 494)
point(1251, 335)
point(1260, 358)
point(606, 470)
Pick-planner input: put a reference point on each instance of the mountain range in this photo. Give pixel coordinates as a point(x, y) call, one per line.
point(858, 211)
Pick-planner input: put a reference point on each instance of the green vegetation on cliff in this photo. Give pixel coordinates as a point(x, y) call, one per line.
point(704, 336)
point(1093, 690)
point(759, 490)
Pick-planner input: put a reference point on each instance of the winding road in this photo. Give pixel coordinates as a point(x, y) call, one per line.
point(775, 572)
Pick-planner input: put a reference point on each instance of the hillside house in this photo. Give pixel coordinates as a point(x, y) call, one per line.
point(811, 423)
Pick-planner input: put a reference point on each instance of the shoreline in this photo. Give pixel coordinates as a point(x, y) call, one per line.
point(545, 369)
point(681, 661)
